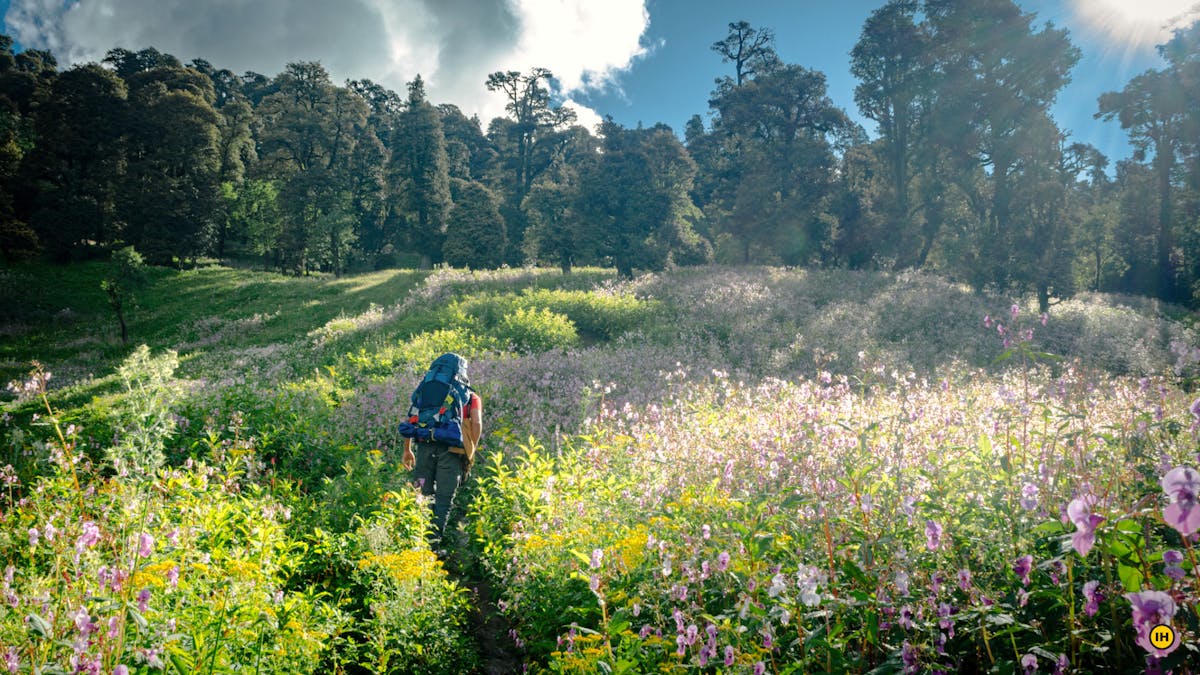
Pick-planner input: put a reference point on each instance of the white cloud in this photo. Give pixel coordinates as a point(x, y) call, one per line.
point(585, 116)
point(453, 44)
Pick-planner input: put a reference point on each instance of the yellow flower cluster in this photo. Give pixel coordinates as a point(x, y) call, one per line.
point(153, 575)
point(402, 566)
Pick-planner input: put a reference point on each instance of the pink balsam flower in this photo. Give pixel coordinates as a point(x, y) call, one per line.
point(1181, 485)
point(1086, 522)
point(1151, 609)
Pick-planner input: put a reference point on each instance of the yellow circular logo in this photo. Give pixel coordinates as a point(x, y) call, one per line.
point(1162, 636)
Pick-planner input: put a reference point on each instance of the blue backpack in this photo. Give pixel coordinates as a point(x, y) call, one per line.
point(438, 402)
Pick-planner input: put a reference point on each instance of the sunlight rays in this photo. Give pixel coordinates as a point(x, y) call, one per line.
point(1135, 25)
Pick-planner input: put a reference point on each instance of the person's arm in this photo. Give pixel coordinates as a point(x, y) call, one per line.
point(473, 429)
point(408, 460)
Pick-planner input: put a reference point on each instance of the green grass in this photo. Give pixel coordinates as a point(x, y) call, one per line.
point(58, 315)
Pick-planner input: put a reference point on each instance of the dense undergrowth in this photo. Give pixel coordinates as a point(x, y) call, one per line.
point(717, 470)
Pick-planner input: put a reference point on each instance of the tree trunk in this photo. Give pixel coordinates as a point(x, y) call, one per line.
point(1164, 158)
point(124, 331)
point(333, 250)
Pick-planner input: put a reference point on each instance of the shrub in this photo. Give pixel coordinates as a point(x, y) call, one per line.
point(536, 330)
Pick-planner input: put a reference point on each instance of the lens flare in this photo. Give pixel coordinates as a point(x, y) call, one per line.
point(1136, 24)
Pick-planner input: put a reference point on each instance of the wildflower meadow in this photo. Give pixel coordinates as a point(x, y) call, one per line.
point(713, 470)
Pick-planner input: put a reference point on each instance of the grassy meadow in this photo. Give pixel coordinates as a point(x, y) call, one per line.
point(735, 470)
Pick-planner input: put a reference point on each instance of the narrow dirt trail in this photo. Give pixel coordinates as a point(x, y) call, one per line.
point(498, 654)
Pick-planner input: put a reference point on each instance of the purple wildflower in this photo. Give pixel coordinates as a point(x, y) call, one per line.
point(1092, 597)
point(902, 582)
point(778, 585)
point(88, 538)
point(1029, 664)
point(933, 535)
point(597, 556)
point(1086, 522)
point(1182, 485)
point(11, 661)
point(1172, 559)
point(964, 580)
point(1060, 667)
point(1029, 496)
point(83, 622)
point(143, 599)
point(33, 536)
point(1151, 609)
point(723, 561)
point(729, 654)
point(145, 545)
point(908, 654)
point(759, 668)
point(906, 617)
point(945, 620)
point(121, 670)
point(173, 576)
point(594, 583)
point(1023, 566)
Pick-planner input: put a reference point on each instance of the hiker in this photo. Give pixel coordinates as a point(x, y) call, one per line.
point(446, 421)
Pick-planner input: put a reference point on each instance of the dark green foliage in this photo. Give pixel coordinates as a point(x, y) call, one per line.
point(893, 61)
point(554, 234)
point(779, 128)
point(171, 189)
point(77, 163)
point(477, 236)
point(309, 132)
point(635, 197)
point(420, 173)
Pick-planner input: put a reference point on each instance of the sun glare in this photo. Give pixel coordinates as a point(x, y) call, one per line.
point(1136, 24)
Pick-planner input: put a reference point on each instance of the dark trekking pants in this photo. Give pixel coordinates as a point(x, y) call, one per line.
point(437, 472)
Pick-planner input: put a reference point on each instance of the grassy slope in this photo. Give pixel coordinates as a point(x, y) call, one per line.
point(61, 317)
point(761, 320)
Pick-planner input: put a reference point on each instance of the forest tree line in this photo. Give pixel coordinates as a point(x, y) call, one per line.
point(968, 174)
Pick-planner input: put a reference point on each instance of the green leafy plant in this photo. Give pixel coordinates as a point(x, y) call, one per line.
point(126, 274)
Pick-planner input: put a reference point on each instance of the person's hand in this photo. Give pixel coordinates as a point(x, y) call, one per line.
point(408, 460)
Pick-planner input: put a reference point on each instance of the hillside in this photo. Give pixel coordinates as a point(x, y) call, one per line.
point(759, 467)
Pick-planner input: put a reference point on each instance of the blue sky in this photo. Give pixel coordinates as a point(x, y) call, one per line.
point(644, 61)
point(674, 82)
